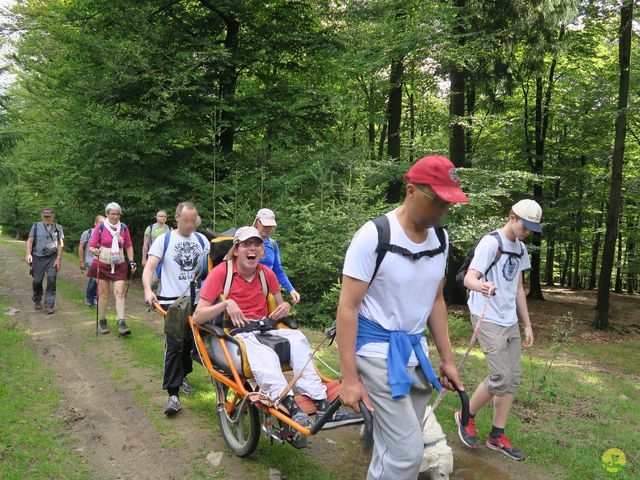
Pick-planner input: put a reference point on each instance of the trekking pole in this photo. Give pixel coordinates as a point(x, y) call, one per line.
point(97, 263)
point(474, 337)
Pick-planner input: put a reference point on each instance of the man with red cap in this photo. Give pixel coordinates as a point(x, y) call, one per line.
point(392, 284)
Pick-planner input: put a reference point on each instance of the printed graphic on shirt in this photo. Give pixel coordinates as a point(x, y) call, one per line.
point(186, 254)
point(510, 268)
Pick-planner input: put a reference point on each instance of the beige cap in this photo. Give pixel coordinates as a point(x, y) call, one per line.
point(530, 213)
point(267, 217)
point(242, 234)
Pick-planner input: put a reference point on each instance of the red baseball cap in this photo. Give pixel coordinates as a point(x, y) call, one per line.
point(441, 175)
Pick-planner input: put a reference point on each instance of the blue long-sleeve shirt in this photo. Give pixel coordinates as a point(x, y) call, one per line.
point(272, 260)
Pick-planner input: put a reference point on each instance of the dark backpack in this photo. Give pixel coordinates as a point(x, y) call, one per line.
point(384, 245)
point(462, 271)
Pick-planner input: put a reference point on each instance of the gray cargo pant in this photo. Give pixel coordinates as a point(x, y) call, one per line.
point(42, 266)
point(397, 426)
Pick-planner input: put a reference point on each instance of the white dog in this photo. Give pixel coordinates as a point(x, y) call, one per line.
point(437, 460)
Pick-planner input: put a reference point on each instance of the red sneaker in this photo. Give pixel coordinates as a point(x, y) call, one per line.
point(502, 444)
point(467, 434)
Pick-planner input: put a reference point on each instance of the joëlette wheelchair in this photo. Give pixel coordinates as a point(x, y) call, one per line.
point(242, 412)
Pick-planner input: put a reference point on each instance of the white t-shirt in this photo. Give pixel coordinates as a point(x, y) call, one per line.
point(505, 274)
point(179, 262)
point(401, 296)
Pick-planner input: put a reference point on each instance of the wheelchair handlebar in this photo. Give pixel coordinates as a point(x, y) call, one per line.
point(367, 434)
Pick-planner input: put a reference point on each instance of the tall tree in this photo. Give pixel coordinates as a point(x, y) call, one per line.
point(615, 194)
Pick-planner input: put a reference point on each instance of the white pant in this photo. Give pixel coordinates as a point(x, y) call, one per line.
point(265, 365)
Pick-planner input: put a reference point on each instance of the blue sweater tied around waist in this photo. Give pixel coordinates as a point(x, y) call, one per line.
point(401, 344)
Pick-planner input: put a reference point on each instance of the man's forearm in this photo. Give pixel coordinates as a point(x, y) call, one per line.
point(439, 327)
point(521, 306)
point(347, 328)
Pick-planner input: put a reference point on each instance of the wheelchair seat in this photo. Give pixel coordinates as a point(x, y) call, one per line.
point(236, 347)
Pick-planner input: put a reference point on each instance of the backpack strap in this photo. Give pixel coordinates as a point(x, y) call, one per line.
point(228, 279)
point(384, 245)
point(384, 237)
point(499, 252)
point(263, 282)
point(199, 236)
point(167, 237)
point(35, 235)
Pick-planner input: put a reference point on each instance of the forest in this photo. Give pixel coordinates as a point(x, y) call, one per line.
point(315, 110)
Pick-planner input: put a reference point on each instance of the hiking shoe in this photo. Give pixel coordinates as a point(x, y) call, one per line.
point(467, 434)
point(88, 303)
point(123, 330)
point(501, 444)
point(302, 418)
point(173, 406)
point(49, 310)
point(186, 388)
point(103, 328)
point(38, 305)
point(340, 418)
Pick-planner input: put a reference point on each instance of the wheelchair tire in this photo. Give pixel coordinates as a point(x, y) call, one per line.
point(243, 434)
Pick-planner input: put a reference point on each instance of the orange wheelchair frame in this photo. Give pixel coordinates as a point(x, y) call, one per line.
point(236, 399)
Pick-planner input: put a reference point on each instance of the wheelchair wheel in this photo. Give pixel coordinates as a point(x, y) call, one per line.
point(241, 427)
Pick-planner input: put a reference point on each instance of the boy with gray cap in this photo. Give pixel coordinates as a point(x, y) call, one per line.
point(494, 278)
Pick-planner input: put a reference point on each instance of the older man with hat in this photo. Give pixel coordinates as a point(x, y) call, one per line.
point(44, 254)
point(392, 283)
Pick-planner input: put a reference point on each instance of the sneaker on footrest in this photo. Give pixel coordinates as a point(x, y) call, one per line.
point(501, 444)
point(340, 418)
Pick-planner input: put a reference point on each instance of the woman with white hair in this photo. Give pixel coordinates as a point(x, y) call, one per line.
point(265, 222)
point(108, 243)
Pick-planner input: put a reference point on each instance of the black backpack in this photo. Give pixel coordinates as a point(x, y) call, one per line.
point(462, 271)
point(384, 237)
point(384, 246)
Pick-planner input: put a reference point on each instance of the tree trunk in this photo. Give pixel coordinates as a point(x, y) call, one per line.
point(383, 137)
point(471, 108)
point(631, 245)
point(615, 195)
point(371, 130)
point(412, 125)
point(548, 274)
point(575, 282)
point(619, 266)
point(535, 288)
point(456, 94)
point(595, 250)
point(394, 108)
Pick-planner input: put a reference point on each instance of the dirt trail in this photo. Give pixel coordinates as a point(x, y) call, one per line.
point(111, 428)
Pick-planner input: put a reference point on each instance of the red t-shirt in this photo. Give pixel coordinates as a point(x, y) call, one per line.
point(248, 295)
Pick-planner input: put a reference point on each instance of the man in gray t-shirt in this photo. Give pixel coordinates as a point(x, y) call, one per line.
point(44, 254)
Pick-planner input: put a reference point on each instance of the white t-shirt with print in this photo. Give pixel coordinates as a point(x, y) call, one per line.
point(505, 275)
point(402, 295)
point(180, 261)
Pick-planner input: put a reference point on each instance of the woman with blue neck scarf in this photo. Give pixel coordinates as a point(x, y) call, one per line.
point(265, 222)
